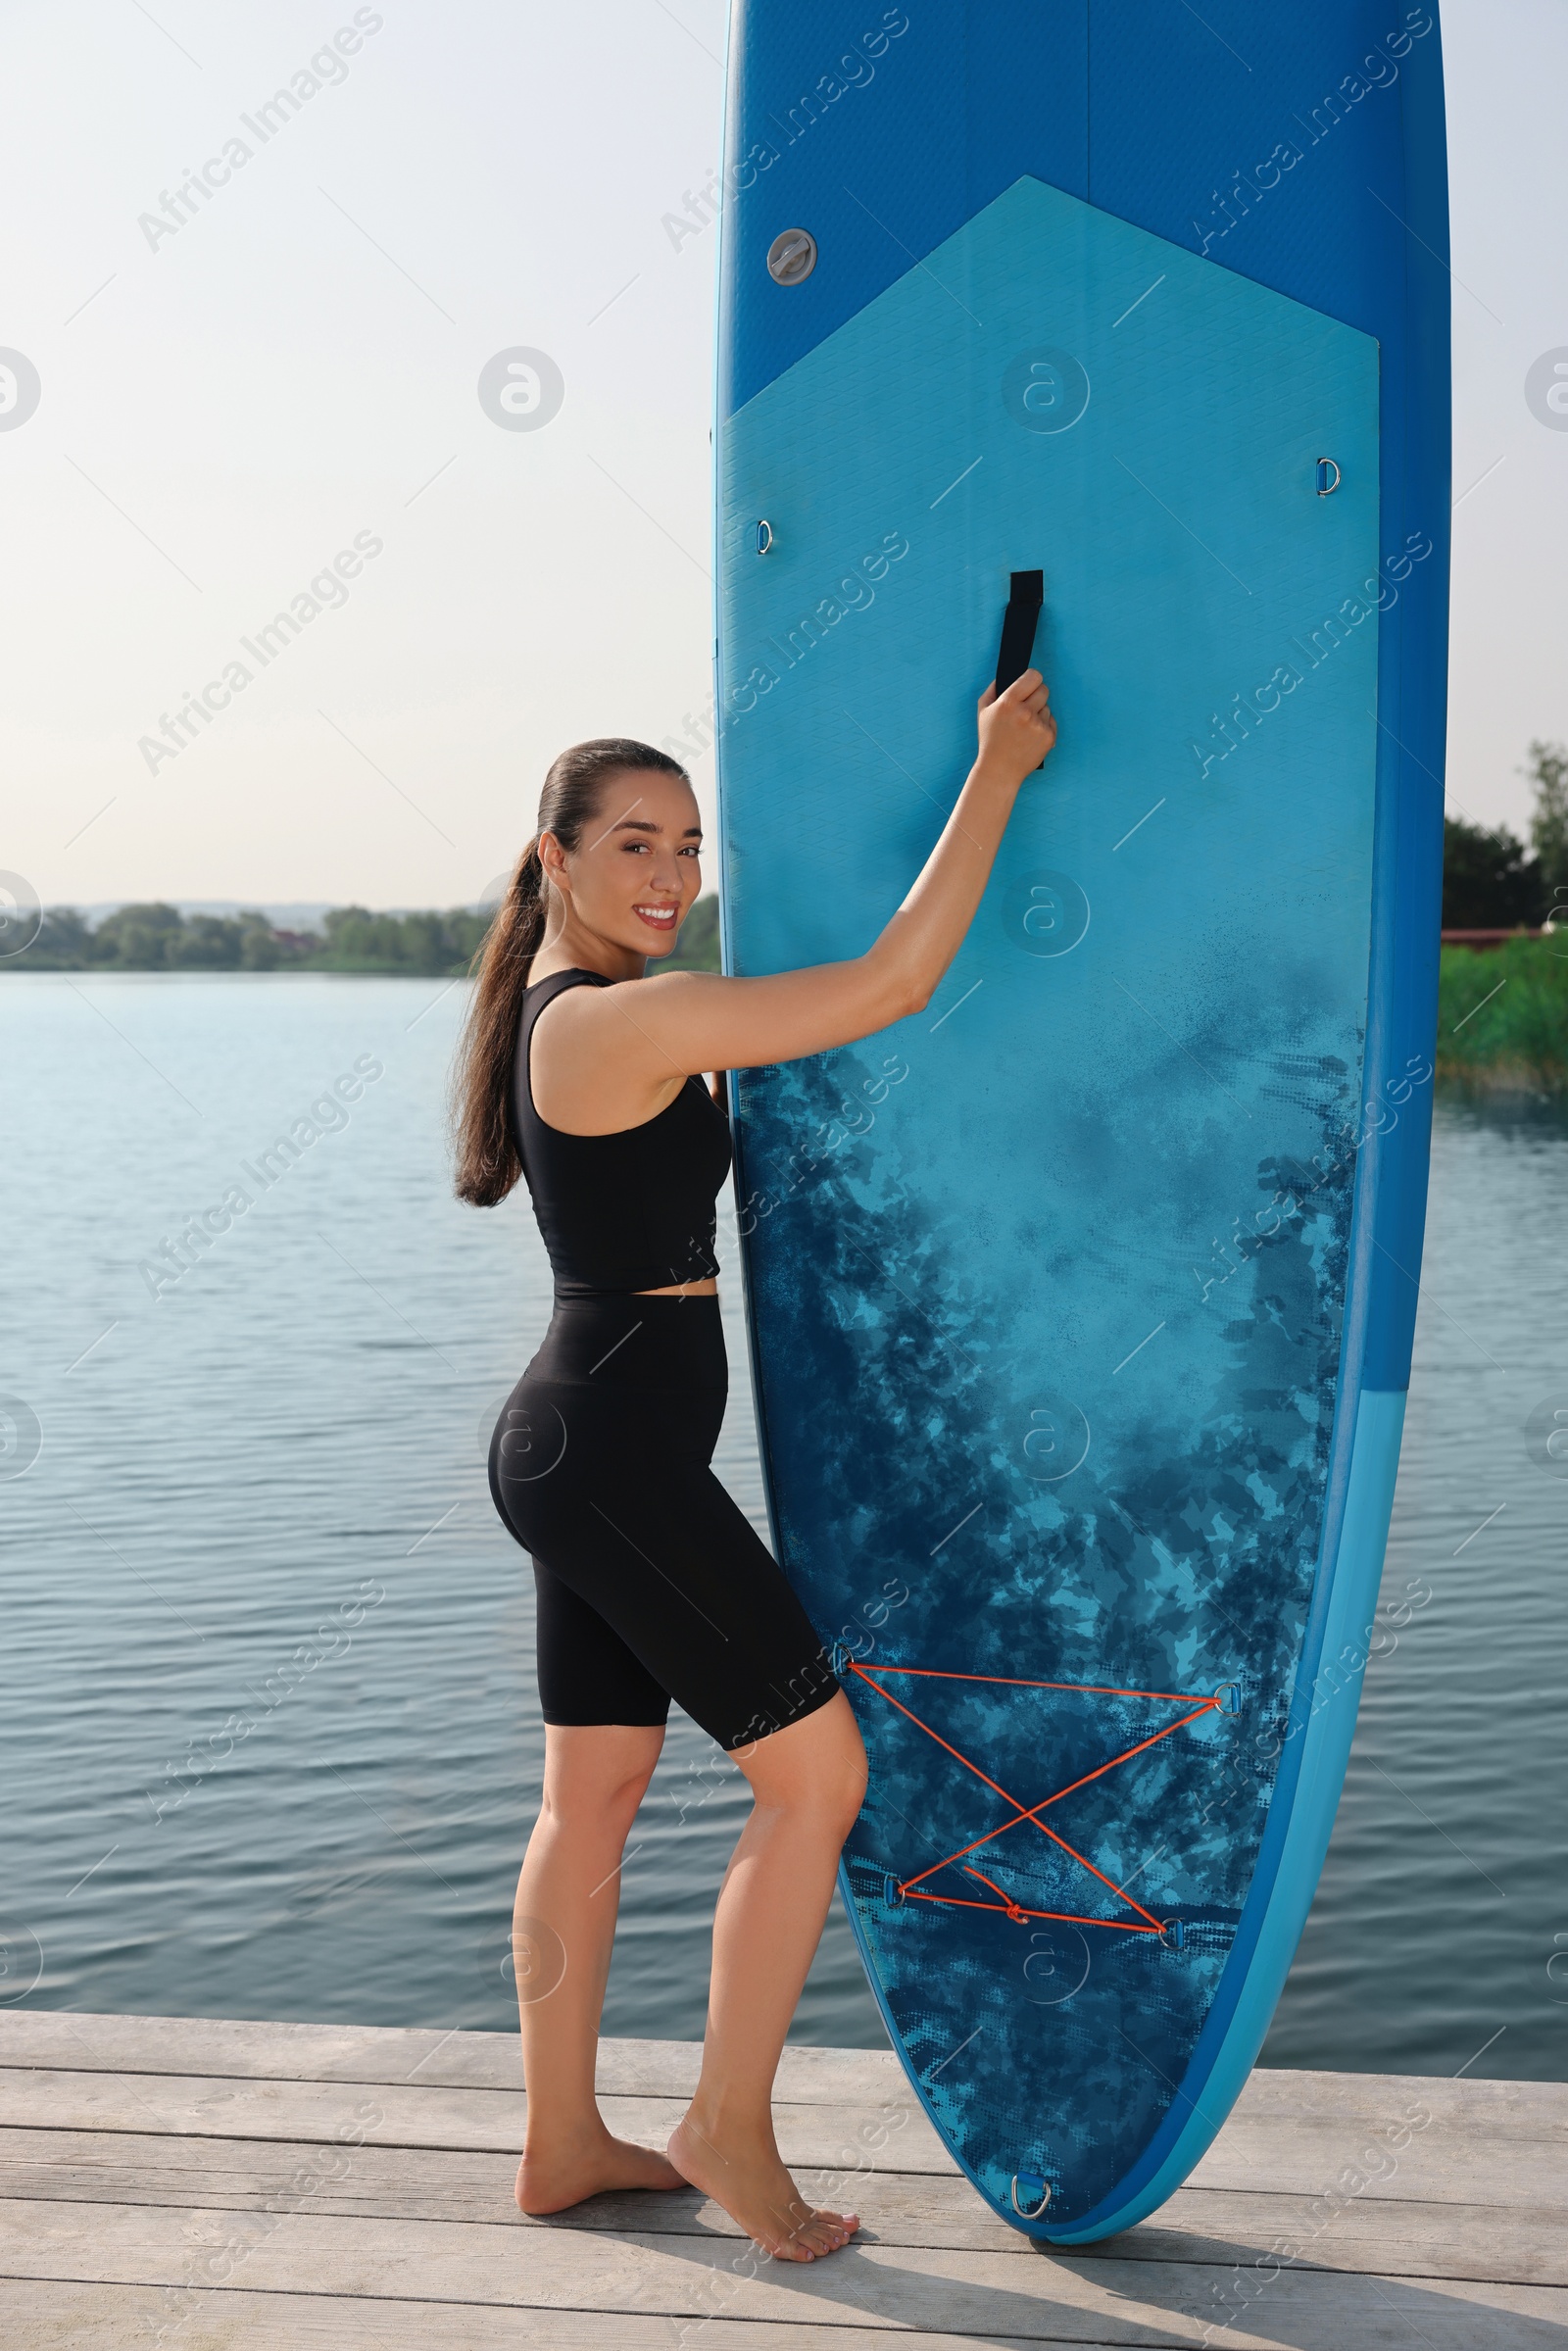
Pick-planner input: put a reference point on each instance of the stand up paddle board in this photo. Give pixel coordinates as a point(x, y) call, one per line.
point(1082, 1301)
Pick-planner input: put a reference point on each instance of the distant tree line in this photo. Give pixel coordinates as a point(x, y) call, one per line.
point(1491, 880)
point(418, 946)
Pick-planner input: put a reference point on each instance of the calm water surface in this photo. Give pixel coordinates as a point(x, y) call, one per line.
point(271, 1741)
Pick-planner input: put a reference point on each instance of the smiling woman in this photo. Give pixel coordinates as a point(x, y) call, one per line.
point(489, 1160)
point(652, 1585)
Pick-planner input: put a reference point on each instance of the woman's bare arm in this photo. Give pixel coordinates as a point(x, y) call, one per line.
point(640, 1041)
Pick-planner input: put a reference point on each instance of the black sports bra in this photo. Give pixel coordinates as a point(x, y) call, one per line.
point(631, 1211)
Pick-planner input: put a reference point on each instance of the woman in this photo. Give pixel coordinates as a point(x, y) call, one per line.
point(580, 1076)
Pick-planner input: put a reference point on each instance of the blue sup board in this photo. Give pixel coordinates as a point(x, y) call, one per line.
point(1082, 1302)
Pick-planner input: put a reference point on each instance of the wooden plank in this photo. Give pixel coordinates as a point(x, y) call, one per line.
point(1399, 2239)
point(1415, 2239)
point(215, 2045)
point(285, 2052)
point(1448, 2160)
point(1531, 2110)
point(412, 2116)
point(1046, 2299)
point(54, 2316)
point(1284, 2149)
point(808, 2076)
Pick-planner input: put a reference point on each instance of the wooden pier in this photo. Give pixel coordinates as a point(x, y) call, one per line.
point(232, 2187)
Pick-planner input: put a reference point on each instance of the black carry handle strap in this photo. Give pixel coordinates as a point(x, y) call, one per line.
point(1018, 625)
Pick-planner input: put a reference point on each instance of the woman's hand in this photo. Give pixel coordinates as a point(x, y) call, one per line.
point(1017, 729)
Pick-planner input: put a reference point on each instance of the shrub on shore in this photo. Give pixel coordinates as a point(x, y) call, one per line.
point(1503, 1014)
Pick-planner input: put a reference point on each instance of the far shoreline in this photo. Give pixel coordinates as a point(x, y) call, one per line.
point(1502, 1008)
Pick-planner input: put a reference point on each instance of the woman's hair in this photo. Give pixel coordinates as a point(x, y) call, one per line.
point(488, 1164)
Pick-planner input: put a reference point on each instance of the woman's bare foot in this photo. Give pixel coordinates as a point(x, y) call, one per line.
point(550, 2180)
point(746, 2176)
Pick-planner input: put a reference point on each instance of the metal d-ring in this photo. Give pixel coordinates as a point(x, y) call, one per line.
point(1228, 1697)
point(1030, 2180)
point(764, 537)
point(1325, 466)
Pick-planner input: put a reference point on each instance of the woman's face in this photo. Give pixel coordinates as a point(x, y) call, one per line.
point(633, 879)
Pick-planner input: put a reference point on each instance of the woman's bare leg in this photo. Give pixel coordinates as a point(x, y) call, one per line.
point(562, 1929)
point(809, 1782)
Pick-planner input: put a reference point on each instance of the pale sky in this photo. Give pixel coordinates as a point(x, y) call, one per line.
point(224, 411)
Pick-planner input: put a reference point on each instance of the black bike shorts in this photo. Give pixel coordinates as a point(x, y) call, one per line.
point(652, 1582)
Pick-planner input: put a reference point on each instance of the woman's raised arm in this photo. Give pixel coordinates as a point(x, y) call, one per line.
point(695, 1021)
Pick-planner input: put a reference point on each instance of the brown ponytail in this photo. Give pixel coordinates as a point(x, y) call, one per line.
point(488, 1166)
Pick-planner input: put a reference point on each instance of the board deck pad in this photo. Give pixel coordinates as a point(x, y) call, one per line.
point(1051, 1285)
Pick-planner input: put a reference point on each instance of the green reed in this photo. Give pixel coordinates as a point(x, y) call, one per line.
point(1503, 1014)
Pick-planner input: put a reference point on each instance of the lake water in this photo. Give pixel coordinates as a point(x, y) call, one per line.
point(270, 1739)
